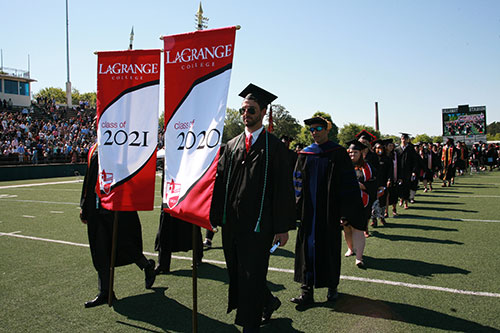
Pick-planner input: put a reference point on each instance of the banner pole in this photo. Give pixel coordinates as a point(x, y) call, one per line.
point(113, 258)
point(195, 278)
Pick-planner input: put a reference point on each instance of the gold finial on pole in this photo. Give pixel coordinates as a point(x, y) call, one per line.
point(200, 19)
point(131, 38)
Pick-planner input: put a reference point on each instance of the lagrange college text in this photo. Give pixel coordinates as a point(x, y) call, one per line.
point(189, 58)
point(121, 71)
point(201, 57)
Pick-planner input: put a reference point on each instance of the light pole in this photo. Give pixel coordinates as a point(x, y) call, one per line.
point(69, 102)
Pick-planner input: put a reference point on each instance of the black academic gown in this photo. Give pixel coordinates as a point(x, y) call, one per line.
point(330, 171)
point(408, 164)
point(100, 227)
point(246, 248)
point(393, 189)
point(384, 170)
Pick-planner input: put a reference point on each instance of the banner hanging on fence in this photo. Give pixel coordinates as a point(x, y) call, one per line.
point(127, 135)
point(197, 74)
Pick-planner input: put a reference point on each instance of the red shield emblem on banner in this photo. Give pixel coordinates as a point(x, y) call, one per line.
point(106, 181)
point(173, 190)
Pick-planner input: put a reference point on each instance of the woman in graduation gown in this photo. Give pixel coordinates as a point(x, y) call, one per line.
point(392, 184)
point(354, 234)
point(383, 172)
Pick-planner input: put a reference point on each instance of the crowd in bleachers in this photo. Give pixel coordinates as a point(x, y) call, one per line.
point(45, 133)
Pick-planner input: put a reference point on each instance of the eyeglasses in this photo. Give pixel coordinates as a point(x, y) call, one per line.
point(249, 109)
point(317, 128)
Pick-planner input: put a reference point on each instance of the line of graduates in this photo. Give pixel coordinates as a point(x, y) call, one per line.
point(262, 190)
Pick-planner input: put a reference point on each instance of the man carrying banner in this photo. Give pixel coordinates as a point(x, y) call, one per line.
point(253, 202)
point(99, 223)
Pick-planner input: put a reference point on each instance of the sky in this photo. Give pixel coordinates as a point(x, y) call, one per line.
point(340, 57)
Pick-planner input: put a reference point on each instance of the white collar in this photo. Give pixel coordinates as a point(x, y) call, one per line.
point(254, 134)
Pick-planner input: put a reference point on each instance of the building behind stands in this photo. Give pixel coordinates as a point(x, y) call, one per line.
point(15, 85)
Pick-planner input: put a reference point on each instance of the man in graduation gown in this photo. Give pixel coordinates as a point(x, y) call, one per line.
point(99, 223)
point(254, 204)
point(328, 196)
point(408, 167)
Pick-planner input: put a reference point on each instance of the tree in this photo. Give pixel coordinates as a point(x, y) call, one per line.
point(233, 125)
point(161, 120)
point(422, 138)
point(493, 137)
point(437, 139)
point(283, 122)
point(493, 128)
point(90, 97)
point(349, 131)
point(51, 92)
point(60, 96)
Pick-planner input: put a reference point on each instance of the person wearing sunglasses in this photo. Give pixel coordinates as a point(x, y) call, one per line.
point(253, 202)
point(328, 197)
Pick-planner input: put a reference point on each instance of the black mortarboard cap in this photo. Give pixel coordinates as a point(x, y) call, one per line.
point(257, 94)
point(387, 141)
point(355, 145)
point(316, 120)
point(382, 142)
point(406, 135)
point(364, 133)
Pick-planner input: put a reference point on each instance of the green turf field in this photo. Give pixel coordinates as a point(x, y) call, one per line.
point(434, 268)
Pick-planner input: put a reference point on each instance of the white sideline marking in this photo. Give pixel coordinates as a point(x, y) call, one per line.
point(158, 207)
point(45, 202)
point(56, 212)
point(467, 196)
point(472, 220)
point(343, 277)
point(29, 216)
point(41, 184)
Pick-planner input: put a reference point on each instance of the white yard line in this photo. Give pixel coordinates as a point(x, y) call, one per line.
point(290, 271)
point(41, 184)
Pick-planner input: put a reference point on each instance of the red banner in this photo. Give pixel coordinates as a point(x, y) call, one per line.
point(197, 75)
point(127, 135)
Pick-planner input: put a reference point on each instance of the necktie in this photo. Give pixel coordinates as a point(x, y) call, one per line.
point(248, 142)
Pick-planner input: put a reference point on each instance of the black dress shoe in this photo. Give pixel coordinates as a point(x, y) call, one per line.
point(332, 295)
point(100, 299)
point(304, 299)
point(161, 270)
point(273, 305)
point(150, 274)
